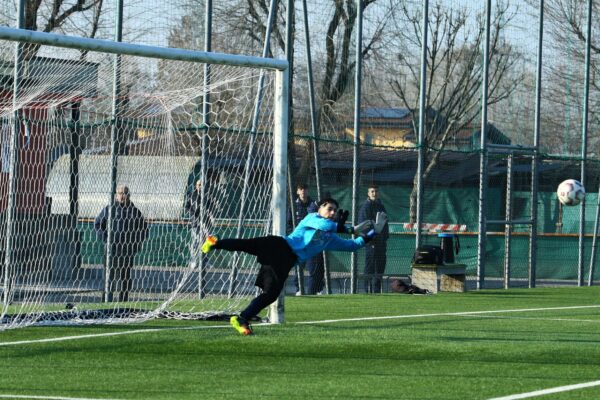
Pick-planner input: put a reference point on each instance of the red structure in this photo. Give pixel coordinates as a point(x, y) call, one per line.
point(32, 157)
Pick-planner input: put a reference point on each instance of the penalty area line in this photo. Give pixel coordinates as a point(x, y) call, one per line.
point(543, 392)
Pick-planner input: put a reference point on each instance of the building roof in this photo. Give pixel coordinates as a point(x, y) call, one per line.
point(384, 113)
point(58, 75)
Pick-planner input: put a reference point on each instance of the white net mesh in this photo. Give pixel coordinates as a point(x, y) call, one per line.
point(77, 146)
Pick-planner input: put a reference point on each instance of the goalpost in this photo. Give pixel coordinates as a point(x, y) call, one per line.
point(73, 131)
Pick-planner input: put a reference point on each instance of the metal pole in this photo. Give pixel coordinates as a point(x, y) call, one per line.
point(594, 242)
point(532, 267)
point(483, 160)
point(584, 131)
point(313, 108)
point(139, 50)
point(422, 121)
point(204, 145)
point(356, 141)
point(314, 121)
point(74, 155)
point(280, 139)
point(253, 131)
point(115, 145)
point(508, 216)
point(289, 52)
point(13, 164)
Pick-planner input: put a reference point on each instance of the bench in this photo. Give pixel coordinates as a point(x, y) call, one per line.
point(439, 278)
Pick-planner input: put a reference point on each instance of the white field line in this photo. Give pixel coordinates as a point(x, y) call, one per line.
point(464, 313)
point(326, 321)
point(20, 396)
point(534, 318)
point(549, 391)
point(97, 335)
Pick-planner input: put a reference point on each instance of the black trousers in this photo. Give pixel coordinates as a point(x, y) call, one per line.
point(375, 260)
point(316, 273)
point(276, 259)
point(119, 277)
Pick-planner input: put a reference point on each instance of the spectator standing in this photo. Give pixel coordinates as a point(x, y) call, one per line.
point(375, 250)
point(129, 230)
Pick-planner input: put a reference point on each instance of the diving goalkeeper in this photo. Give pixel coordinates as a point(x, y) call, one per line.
point(277, 255)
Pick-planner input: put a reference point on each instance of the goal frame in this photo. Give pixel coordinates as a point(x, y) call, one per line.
point(281, 104)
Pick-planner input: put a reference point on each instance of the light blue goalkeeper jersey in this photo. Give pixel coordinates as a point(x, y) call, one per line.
point(315, 234)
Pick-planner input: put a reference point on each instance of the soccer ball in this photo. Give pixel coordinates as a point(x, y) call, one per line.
point(570, 192)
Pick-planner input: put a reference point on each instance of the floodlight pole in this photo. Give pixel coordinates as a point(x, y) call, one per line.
point(199, 258)
point(316, 134)
point(483, 158)
point(532, 267)
point(356, 140)
point(584, 131)
point(422, 121)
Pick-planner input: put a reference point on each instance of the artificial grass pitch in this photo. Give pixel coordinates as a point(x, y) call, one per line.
point(422, 351)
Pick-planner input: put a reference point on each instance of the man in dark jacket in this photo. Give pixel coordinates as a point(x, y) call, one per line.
point(304, 205)
point(375, 251)
point(129, 231)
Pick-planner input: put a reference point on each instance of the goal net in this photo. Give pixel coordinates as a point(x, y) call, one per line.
point(115, 168)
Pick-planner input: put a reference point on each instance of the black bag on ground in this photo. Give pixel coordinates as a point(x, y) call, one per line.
point(398, 286)
point(428, 254)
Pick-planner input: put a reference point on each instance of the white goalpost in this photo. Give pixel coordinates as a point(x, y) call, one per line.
point(84, 118)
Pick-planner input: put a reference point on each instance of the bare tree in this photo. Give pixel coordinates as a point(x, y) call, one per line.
point(454, 73)
point(85, 18)
point(566, 24)
point(333, 58)
point(51, 16)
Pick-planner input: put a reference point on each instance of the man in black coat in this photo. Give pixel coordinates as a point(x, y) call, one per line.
point(128, 234)
point(375, 250)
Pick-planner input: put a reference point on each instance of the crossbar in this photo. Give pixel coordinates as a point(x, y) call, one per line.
point(108, 46)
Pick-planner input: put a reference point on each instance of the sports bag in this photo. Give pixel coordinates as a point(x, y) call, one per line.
point(428, 254)
point(398, 286)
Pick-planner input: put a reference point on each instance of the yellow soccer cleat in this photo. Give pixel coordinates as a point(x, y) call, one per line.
point(209, 243)
point(241, 325)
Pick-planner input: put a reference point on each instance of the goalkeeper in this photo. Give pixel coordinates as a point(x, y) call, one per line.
point(277, 255)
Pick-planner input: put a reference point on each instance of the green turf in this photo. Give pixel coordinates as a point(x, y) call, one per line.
point(426, 357)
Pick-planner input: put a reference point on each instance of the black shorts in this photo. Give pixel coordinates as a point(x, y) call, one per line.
point(272, 252)
point(277, 259)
